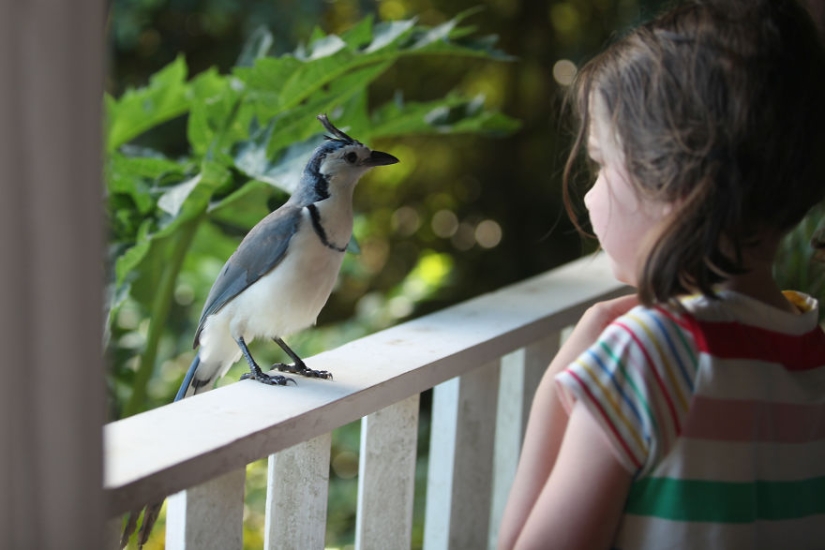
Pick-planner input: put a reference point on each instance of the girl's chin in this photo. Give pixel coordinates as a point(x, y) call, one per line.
point(622, 275)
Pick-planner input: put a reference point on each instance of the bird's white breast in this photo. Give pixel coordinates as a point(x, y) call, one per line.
point(285, 300)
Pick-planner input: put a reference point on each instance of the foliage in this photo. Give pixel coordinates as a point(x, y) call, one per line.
point(249, 134)
point(800, 262)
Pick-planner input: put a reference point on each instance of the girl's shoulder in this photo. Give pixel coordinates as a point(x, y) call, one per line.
point(734, 325)
point(734, 307)
point(727, 311)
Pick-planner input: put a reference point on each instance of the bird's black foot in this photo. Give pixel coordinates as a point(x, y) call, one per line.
point(255, 372)
point(303, 370)
point(269, 379)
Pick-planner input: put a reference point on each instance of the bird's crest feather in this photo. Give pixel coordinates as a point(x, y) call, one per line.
point(337, 135)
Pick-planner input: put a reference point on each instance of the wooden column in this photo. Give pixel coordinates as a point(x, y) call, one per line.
point(52, 403)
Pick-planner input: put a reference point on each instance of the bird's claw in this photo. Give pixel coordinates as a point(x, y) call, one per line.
point(269, 379)
point(302, 370)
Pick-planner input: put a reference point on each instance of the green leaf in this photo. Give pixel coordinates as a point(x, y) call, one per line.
point(266, 78)
point(213, 100)
point(284, 172)
point(191, 198)
point(300, 123)
point(325, 46)
point(172, 200)
point(134, 176)
point(127, 263)
point(390, 34)
point(256, 46)
point(353, 247)
point(317, 34)
point(288, 82)
point(436, 34)
point(165, 97)
point(359, 35)
point(244, 207)
point(181, 204)
point(452, 114)
point(144, 163)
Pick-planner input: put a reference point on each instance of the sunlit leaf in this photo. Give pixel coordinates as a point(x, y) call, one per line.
point(283, 172)
point(390, 33)
point(436, 34)
point(452, 114)
point(172, 200)
point(300, 123)
point(325, 47)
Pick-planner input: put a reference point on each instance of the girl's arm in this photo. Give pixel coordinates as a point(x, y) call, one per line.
point(581, 503)
point(548, 421)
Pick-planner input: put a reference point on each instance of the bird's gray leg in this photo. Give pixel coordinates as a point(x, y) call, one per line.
point(298, 367)
point(255, 371)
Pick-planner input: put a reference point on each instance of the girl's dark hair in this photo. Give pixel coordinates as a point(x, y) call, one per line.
point(719, 107)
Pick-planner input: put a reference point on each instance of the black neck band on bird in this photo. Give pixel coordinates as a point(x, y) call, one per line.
point(319, 229)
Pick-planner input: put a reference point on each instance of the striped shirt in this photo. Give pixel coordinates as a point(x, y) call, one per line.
point(719, 412)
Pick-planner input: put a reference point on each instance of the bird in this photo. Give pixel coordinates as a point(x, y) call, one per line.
point(284, 270)
point(279, 278)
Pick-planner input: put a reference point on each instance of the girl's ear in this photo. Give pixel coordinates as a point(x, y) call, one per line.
point(668, 207)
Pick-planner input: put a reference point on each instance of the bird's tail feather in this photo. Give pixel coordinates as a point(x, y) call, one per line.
point(192, 384)
point(150, 516)
point(187, 380)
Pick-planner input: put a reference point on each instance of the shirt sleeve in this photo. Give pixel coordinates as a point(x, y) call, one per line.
point(631, 383)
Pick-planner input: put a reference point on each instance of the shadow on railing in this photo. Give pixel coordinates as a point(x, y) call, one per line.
point(484, 357)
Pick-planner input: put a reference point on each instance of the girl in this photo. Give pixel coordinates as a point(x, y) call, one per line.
point(692, 414)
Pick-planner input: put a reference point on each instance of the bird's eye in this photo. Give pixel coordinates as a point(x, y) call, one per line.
point(351, 158)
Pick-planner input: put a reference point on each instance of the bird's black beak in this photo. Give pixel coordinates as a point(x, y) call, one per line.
point(378, 158)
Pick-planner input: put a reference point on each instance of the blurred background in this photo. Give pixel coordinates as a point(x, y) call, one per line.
point(464, 213)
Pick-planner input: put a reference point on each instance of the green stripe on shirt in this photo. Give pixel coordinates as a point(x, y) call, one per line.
point(723, 502)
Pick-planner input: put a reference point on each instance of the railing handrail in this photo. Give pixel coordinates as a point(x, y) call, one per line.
point(180, 445)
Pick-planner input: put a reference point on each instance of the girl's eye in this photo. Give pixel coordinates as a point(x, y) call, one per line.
point(351, 158)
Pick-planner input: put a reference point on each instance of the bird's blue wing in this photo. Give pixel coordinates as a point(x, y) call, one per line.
point(262, 249)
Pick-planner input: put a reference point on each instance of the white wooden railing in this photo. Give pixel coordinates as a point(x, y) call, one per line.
point(484, 357)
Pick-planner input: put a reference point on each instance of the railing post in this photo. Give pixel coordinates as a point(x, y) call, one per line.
point(521, 372)
point(296, 499)
point(461, 460)
point(386, 477)
point(208, 516)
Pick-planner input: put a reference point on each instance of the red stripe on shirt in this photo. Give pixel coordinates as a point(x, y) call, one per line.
point(757, 421)
point(607, 421)
point(669, 314)
point(734, 340)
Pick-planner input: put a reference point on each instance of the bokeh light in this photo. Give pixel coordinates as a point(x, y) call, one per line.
point(405, 221)
point(564, 72)
point(444, 224)
point(488, 234)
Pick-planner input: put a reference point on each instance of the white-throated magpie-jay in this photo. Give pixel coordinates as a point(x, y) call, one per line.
point(283, 272)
